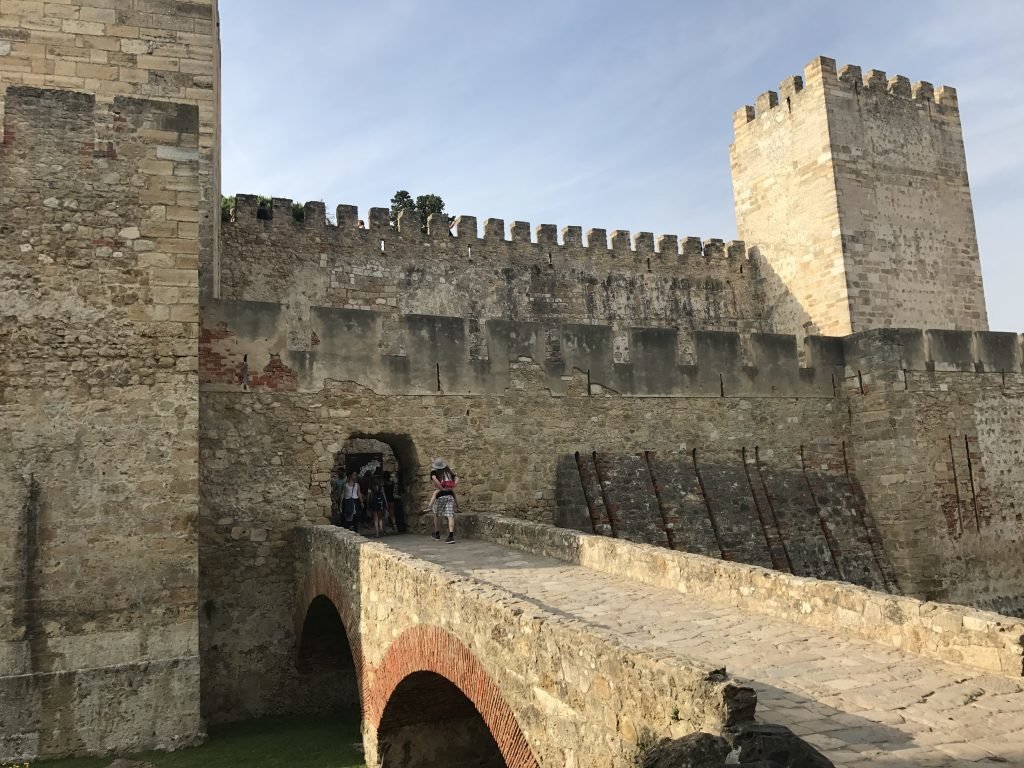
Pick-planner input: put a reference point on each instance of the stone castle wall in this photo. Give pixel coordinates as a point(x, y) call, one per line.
point(854, 190)
point(631, 281)
point(937, 435)
point(266, 457)
point(105, 164)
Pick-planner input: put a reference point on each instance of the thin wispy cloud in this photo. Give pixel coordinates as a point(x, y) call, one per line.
point(589, 112)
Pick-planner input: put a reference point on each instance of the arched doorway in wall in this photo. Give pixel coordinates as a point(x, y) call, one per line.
point(325, 665)
point(428, 722)
point(391, 458)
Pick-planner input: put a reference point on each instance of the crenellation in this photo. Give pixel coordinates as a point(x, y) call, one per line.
point(851, 74)
point(742, 116)
point(923, 91)
point(790, 87)
point(494, 229)
point(314, 214)
point(946, 96)
point(620, 241)
point(692, 249)
point(213, 428)
point(597, 240)
point(438, 227)
point(714, 249)
point(572, 237)
point(899, 85)
point(668, 245)
point(736, 250)
point(546, 234)
point(346, 216)
point(820, 72)
point(410, 225)
point(725, 363)
point(379, 220)
point(281, 211)
point(643, 243)
point(876, 80)
point(882, 137)
point(466, 228)
point(766, 102)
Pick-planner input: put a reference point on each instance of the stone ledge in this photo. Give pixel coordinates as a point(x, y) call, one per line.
point(958, 634)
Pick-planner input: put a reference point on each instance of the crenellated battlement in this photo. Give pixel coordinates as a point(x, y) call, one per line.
point(822, 73)
point(487, 269)
point(466, 230)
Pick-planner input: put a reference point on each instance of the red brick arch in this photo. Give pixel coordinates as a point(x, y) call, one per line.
point(321, 581)
point(426, 648)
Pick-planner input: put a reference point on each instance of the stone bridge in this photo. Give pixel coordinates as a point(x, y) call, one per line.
point(528, 645)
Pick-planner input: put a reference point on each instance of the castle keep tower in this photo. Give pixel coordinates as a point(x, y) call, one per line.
point(854, 190)
point(107, 186)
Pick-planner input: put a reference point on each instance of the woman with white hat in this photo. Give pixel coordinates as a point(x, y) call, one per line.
point(442, 503)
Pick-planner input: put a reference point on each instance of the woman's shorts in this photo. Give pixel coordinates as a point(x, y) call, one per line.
point(444, 506)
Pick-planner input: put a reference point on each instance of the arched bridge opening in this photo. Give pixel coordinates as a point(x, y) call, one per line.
point(428, 721)
point(325, 662)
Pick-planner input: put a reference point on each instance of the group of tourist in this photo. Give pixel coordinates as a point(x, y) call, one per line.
point(354, 497)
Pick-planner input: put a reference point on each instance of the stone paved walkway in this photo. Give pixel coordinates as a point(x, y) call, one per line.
point(862, 704)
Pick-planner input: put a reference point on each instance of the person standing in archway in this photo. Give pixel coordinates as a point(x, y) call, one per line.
point(443, 502)
point(351, 496)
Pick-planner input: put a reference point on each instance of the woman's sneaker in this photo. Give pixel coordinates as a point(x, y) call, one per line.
point(436, 536)
point(450, 539)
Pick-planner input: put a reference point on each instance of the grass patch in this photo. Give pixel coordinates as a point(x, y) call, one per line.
point(279, 742)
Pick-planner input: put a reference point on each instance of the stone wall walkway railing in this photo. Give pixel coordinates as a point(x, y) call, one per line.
point(953, 633)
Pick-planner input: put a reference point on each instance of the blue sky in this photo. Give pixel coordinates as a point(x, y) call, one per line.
point(588, 112)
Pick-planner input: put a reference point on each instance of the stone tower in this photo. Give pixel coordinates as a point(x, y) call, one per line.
point(854, 190)
point(108, 190)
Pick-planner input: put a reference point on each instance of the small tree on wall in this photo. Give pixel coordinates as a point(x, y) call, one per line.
point(424, 205)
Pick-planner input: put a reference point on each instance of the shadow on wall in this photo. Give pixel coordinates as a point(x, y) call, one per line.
point(809, 520)
point(782, 311)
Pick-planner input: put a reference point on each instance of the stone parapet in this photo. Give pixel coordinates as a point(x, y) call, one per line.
point(402, 614)
point(280, 252)
point(952, 633)
point(267, 345)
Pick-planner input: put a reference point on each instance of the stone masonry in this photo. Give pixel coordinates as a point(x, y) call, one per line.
point(175, 392)
point(106, 176)
point(854, 189)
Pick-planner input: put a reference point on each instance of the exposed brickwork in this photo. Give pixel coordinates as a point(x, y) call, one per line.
point(431, 649)
point(320, 580)
point(409, 617)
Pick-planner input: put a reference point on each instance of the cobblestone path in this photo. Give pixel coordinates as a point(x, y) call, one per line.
point(861, 703)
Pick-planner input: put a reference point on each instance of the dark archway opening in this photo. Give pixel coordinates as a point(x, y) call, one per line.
point(325, 665)
point(428, 722)
point(389, 457)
